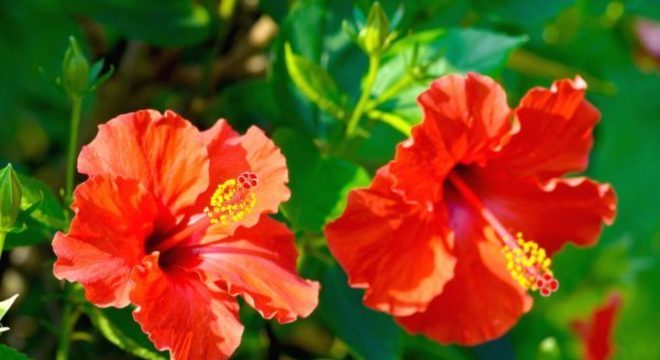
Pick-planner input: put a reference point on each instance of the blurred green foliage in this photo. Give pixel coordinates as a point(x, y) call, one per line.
point(291, 68)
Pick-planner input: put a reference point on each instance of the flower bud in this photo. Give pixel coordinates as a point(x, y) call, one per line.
point(75, 70)
point(10, 198)
point(374, 37)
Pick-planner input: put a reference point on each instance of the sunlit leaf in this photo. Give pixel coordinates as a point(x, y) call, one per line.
point(319, 183)
point(118, 327)
point(315, 83)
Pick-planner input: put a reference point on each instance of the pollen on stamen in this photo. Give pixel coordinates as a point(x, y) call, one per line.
point(529, 265)
point(233, 199)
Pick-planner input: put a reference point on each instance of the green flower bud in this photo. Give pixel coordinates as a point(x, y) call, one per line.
point(10, 198)
point(75, 70)
point(374, 37)
point(548, 350)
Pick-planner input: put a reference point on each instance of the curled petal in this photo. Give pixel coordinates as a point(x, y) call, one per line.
point(268, 163)
point(482, 301)
point(464, 119)
point(259, 263)
point(227, 158)
point(255, 153)
point(182, 313)
point(397, 251)
point(163, 152)
point(552, 213)
point(555, 135)
point(106, 239)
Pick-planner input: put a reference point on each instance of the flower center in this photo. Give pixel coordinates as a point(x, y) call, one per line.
point(233, 199)
point(526, 260)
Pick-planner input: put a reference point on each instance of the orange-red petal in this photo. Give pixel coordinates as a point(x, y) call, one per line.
point(227, 158)
point(106, 239)
point(268, 163)
point(163, 152)
point(551, 213)
point(183, 313)
point(464, 118)
point(259, 263)
point(596, 332)
point(231, 155)
point(555, 134)
point(397, 251)
point(482, 301)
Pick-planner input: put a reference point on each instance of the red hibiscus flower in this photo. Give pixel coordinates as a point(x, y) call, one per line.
point(596, 332)
point(174, 221)
point(442, 239)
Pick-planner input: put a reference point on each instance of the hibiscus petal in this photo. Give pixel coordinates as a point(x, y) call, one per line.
point(482, 301)
point(550, 214)
point(397, 251)
point(463, 118)
point(259, 263)
point(184, 314)
point(555, 135)
point(164, 152)
point(266, 160)
point(254, 152)
point(106, 239)
point(227, 158)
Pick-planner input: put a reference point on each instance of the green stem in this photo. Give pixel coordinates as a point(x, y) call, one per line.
point(392, 91)
point(393, 120)
point(3, 235)
point(76, 104)
point(69, 319)
point(374, 64)
point(69, 316)
point(225, 12)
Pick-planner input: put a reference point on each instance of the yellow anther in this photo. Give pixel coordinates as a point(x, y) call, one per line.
point(232, 200)
point(527, 262)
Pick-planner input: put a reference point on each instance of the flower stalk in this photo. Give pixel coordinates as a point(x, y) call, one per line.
point(360, 107)
point(76, 111)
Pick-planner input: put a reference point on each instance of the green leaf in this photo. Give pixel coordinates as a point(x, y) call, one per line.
point(164, 23)
point(118, 327)
point(7, 353)
point(6, 304)
point(420, 347)
point(44, 206)
point(313, 28)
point(4, 307)
point(319, 183)
point(370, 334)
point(317, 85)
point(441, 51)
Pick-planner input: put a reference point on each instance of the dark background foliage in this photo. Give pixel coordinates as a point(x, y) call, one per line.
point(190, 56)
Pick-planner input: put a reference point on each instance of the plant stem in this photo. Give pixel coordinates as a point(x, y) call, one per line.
point(69, 316)
point(3, 235)
point(224, 13)
point(392, 91)
point(393, 120)
point(76, 104)
point(68, 322)
point(374, 64)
